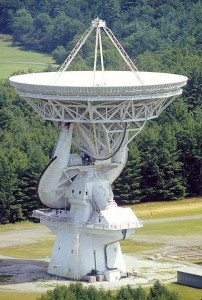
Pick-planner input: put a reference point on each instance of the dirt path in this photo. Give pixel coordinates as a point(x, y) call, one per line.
point(22, 237)
point(171, 219)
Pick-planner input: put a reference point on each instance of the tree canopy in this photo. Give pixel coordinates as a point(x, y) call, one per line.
point(165, 159)
point(78, 292)
point(26, 142)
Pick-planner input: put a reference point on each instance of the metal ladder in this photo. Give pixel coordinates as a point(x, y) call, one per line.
point(77, 230)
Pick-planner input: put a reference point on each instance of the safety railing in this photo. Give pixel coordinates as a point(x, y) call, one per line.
point(46, 215)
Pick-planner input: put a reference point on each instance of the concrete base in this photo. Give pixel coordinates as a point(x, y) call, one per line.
point(99, 278)
point(90, 279)
point(112, 275)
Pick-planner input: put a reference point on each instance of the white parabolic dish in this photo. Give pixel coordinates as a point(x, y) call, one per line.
point(98, 86)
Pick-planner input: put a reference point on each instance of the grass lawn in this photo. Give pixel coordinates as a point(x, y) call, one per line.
point(196, 261)
point(131, 246)
point(191, 206)
point(19, 296)
point(15, 58)
point(33, 251)
point(175, 228)
point(186, 293)
point(25, 225)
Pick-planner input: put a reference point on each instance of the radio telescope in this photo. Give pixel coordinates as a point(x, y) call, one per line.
point(97, 112)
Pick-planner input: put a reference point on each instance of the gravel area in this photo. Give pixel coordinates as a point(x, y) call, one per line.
point(30, 275)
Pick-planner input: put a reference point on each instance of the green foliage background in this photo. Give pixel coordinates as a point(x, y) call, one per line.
point(165, 160)
point(79, 292)
point(26, 142)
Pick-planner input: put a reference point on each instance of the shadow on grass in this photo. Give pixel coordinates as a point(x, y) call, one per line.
point(26, 49)
point(5, 38)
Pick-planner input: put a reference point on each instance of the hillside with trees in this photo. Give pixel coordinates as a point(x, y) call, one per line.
point(165, 160)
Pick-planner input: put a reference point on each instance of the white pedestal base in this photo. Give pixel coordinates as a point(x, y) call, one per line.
point(77, 252)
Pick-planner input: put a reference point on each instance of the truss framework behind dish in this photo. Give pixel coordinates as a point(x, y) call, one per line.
point(100, 129)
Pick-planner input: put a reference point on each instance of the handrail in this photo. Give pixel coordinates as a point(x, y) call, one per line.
point(41, 214)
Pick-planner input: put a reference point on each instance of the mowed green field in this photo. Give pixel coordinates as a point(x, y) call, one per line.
point(37, 250)
point(186, 292)
point(4, 295)
point(167, 209)
point(24, 225)
point(14, 59)
point(174, 228)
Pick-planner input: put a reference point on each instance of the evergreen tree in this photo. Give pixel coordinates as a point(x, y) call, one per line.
point(10, 211)
point(161, 168)
point(127, 186)
point(26, 194)
point(128, 292)
point(25, 142)
point(160, 292)
point(189, 136)
point(76, 291)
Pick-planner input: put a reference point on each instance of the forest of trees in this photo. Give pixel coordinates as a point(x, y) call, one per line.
point(79, 292)
point(165, 160)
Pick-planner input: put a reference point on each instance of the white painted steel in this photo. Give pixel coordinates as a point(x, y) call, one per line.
point(75, 241)
point(77, 83)
point(73, 53)
point(99, 113)
point(122, 99)
point(49, 190)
